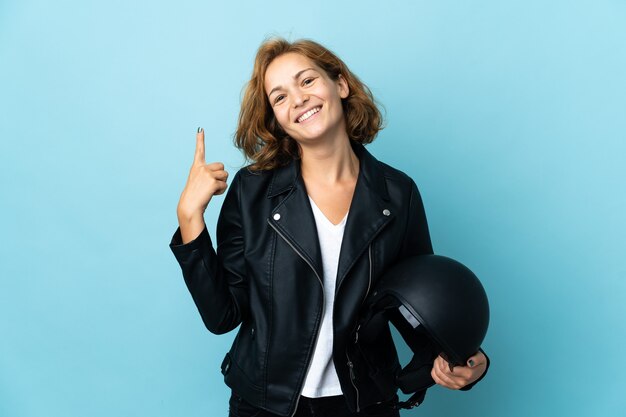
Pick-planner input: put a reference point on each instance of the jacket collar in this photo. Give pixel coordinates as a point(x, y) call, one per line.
point(293, 217)
point(286, 177)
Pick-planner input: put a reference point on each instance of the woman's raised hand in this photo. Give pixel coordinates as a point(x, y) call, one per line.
point(204, 181)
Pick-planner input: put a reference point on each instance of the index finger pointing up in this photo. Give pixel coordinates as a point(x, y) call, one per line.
point(199, 156)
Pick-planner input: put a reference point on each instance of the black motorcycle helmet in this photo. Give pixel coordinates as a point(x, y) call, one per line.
point(439, 308)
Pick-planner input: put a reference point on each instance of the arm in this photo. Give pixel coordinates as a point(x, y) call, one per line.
point(417, 242)
point(417, 237)
point(216, 281)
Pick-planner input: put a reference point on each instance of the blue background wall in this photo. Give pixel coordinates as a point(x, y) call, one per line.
point(510, 116)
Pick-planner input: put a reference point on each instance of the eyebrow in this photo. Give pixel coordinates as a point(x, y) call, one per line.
point(295, 77)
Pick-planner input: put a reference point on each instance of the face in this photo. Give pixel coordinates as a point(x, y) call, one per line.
point(305, 100)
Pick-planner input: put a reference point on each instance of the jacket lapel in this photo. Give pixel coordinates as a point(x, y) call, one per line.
point(293, 217)
point(369, 212)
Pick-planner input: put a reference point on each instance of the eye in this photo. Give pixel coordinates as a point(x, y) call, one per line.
point(278, 98)
point(308, 81)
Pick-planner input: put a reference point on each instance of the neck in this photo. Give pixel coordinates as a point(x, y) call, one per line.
point(330, 163)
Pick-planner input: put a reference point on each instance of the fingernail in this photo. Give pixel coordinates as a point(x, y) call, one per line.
point(200, 129)
point(471, 362)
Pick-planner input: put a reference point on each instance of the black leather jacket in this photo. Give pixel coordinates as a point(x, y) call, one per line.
point(267, 276)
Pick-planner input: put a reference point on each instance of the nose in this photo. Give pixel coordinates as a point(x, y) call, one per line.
point(299, 99)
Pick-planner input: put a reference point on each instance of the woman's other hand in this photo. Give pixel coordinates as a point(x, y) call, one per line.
point(459, 376)
point(204, 181)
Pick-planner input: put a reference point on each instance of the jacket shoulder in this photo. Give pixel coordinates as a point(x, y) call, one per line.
point(247, 171)
point(394, 175)
point(253, 184)
point(247, 174)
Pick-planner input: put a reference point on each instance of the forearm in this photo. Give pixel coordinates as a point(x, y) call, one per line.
point(216, 283)
point(217, 293)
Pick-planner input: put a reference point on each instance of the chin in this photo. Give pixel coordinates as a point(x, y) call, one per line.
point(312, 135)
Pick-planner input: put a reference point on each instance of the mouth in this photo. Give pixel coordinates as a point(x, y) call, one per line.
point(308, 114)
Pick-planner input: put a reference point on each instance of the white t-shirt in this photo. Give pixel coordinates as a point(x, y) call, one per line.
point(322, 380)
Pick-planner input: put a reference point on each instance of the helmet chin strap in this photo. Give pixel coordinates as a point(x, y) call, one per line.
point(415, 377)
point(415, 400)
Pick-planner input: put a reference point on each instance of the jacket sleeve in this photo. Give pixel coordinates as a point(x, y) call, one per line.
point(417, 242)
point(216, 280)
point(417, 237)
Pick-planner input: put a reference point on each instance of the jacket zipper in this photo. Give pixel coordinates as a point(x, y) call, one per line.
point(352, 378)
point(369, 286)
point(356, 337)
point(317, 331)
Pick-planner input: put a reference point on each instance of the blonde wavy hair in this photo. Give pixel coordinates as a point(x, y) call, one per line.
point(259, 135)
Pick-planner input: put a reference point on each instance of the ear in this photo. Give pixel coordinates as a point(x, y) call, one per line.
point(342, 86)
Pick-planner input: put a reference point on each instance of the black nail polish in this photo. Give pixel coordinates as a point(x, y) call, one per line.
point(199, 129)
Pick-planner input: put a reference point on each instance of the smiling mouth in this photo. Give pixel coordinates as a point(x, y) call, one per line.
point(308, 114)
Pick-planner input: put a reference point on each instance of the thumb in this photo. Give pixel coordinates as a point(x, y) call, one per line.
point(474, 360)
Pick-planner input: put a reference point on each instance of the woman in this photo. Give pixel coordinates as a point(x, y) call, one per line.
point(303, 234)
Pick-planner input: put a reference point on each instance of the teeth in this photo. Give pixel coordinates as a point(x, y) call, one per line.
point(308, 114)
